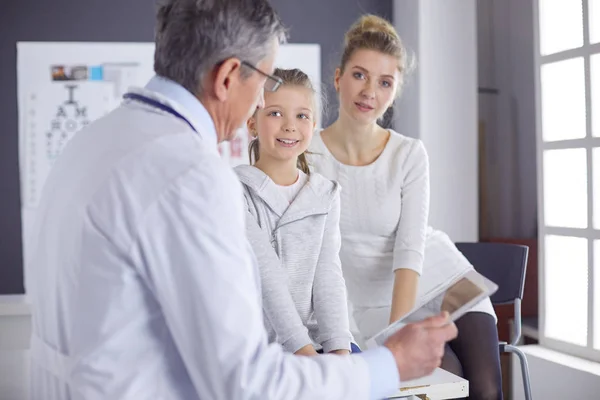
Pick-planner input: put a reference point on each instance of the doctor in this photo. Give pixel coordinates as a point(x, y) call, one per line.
point(142, 282)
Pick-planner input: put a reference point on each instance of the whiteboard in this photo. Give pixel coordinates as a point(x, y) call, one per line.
point(63, 86)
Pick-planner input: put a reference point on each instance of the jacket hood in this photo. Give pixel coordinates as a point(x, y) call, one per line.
point(315, 197)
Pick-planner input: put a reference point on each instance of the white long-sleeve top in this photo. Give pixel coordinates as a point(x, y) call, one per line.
point(384, 212)
point(384, 227)
point(142, 281)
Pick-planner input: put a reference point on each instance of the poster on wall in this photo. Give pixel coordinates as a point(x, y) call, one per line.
point(54, 112)
point(63, 86)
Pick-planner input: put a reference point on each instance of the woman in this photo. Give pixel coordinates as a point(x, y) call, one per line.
point(386, 243)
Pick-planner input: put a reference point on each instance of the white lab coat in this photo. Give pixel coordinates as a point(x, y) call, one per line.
point(142, 282)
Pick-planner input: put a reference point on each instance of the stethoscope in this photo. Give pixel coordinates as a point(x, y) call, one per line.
point(159, 105)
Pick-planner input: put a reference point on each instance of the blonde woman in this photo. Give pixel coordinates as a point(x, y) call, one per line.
point(387, 245)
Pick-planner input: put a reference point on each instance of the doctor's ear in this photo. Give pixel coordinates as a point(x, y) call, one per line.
point(226, 75)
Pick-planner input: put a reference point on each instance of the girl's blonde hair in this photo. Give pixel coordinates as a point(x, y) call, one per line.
point(371, 32)
point(292, 77)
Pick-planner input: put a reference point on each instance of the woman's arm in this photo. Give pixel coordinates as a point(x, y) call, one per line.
point(409, 247)
point(404, 294)
point(329, 288)
point(278, 305)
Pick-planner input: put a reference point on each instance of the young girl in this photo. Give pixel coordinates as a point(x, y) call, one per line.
point(387, 246)
point(293, 225)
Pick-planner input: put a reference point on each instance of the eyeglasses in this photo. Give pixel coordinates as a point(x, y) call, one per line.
point(272, 83)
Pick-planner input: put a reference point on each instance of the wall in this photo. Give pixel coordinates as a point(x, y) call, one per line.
point(434, 108)
point(555, 375)
point(506, 64)
point(439, 106)
point(310, 21)
point(15, 329)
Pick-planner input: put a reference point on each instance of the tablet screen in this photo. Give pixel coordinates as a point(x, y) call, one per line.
point(459, 294)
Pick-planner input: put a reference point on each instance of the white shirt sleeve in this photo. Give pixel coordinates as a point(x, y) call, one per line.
point(409, 247)
point(194, 258)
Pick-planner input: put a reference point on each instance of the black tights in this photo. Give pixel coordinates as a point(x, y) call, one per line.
point(474, 355)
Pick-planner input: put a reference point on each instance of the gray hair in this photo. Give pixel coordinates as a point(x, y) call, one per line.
point(193, 36)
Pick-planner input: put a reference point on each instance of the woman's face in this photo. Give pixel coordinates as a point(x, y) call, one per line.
point(368, 85)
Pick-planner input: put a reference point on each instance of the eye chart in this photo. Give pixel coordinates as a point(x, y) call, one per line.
point(55, 112)
point(99, 74)
point(63, 86)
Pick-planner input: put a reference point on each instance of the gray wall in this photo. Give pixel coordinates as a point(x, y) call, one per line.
point(555, 375)
point(310, 21)
point(439, 106)
point(506, 63)
point(505, 57)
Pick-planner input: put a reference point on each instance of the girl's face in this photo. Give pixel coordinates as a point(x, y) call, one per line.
point(286, 123)
point(367, 87)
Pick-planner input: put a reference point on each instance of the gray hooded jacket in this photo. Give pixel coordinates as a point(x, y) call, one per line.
point(297, 246)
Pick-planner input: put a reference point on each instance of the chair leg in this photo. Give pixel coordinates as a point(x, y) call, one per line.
point(524, 368)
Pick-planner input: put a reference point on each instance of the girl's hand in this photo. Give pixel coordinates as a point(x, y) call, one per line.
point(307, 350)
point(340, 352)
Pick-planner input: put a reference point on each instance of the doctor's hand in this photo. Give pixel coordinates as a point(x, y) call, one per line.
point(418, 348)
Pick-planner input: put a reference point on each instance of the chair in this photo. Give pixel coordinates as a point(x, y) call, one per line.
point(505, 264)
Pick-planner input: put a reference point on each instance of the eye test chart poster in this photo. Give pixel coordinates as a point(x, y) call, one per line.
point(63, 86)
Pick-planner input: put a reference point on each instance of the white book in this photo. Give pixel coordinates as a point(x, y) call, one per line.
point(440, 384)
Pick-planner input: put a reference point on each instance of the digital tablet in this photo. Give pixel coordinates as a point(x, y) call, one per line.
point(458, 298)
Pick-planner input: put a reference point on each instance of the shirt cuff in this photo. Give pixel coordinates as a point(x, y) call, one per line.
point(296, 342)
point(383, 372)
point(342, 343)
point(408, 259)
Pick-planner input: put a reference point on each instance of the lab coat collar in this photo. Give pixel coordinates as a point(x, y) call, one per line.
point(175, 96)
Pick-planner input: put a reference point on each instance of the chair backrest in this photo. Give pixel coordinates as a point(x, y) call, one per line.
point(503, 263)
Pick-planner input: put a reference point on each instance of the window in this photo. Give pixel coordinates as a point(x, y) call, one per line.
point(594, 15)
point(595, 89)
point(568, 84)
point(568, 15)
point(597, 298)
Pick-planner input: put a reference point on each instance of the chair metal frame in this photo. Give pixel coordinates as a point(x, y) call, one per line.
point(511, 347)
